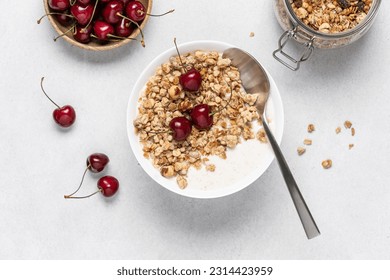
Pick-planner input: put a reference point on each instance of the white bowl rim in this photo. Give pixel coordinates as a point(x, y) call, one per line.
point(146, 163)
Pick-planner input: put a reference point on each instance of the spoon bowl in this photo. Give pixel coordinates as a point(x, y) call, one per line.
point(255, 81)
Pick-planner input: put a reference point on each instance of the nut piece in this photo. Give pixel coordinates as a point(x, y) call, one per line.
point(350, 146)
point(182, 182)
point(326, 164)
point(252, 34)
point(301, 150)
point(353, 131)
point(338, 130)
point(347, 124)
point(167, 171)
point(310, 128)
point(307, 141)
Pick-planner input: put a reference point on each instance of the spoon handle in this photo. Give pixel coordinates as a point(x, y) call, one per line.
point(307, 220)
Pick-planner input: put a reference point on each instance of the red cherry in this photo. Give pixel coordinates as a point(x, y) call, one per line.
point(103, 30)
point(124, 28)
point(97, 162)
point(108, 185)
point(59, 5)
point(181, 128)
point(82, 14)
point(64, 116)
point(201, 117)
point(191, 80)
point(64, 18)
point(82, 34)
point(111, 10)
point(135, 11)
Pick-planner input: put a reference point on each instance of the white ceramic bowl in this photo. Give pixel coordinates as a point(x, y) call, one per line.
point(243, 165)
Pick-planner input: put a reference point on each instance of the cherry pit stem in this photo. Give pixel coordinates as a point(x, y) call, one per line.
point(227, 104)
point(82, 180)
point(64, 33)
point(93, 14)
point(177, 49)
point(43, 90)
point(159, 15)
point(138, 26)
point(81, 197)
point(49, 14)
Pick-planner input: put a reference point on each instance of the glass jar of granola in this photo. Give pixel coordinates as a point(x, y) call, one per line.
point(321, 24)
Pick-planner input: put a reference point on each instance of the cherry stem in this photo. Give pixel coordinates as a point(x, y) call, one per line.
point(93, 14)
point(121, 38)
point(50, 14)
point(160, 15)
point(227, 104)
point(82, 180)
point(63, 34)
point(154, 133)
point(72, 2)
point(80, 197)
point(138, 26)
point(177, 49)
point(48, 95)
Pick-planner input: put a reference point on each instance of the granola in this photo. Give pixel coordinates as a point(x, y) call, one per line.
point(331, 16)
point(164, 99)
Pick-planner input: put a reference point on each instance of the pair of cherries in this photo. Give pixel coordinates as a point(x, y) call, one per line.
point(200, 117)
point(107, 185)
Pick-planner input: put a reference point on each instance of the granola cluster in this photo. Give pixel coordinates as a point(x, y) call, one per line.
point(331, 16)
point(164, 99)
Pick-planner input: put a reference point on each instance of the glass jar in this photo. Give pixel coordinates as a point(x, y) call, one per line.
point(308, 38)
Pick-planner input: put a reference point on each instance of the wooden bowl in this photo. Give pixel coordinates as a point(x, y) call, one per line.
point(94, 45)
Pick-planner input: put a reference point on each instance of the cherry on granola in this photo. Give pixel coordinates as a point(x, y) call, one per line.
point(191, 79)
point(181, 128)
point(201, 116)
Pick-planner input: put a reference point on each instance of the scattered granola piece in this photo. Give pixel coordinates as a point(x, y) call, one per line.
point(301, 150)
point(310, 128)
point(210, 167)
point(350, 146)
point(307, 141)
point(252, 34)
point(338, 130)
point(353, 131)
point(261, 136)
point(326, 164)
point(347, 124)
point(181, 181)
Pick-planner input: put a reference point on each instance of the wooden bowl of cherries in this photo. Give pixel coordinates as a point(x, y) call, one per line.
point(98, 24)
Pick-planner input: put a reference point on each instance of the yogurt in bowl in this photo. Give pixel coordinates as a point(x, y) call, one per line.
point(210, 163)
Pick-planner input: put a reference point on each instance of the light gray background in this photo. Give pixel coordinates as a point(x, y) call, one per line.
point(39, 163)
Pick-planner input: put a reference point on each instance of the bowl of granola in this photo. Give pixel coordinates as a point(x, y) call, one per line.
point(217, 161)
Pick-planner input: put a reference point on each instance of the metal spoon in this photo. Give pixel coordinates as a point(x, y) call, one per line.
point(255, 81)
